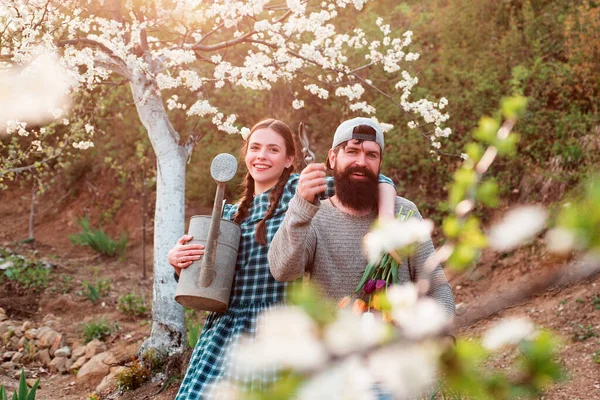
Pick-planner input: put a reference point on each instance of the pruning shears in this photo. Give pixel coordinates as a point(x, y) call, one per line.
point(309, 155)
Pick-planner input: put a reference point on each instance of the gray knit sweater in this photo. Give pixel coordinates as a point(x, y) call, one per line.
point(327, 243)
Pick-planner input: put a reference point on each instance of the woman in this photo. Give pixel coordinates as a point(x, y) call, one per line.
point(268, 187)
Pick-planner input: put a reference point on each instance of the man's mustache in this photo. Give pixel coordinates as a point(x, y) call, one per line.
point(362, 170)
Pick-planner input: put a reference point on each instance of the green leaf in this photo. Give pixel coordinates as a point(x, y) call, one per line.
point(488, 193)
point(33, 390)
point(487, 130)
point(451, 227)
point(395, 277)
point(474, 151)
point(22, 387)
point(513, 107)
point(508, 146)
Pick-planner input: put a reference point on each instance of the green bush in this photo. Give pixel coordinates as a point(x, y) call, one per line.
point(98, 240)
point(29, 275)
point(96, 329)
point(24, 393)
point(95, 291)
point(132, 305)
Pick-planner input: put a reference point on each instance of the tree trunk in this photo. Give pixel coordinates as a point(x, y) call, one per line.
point(168, 329)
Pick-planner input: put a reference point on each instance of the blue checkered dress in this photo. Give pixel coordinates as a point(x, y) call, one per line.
point(254, 290)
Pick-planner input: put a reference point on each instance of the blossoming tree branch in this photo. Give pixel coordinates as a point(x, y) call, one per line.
point(164, 49)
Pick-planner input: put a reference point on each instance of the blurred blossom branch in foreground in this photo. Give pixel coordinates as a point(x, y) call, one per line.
point(326, 353)
point(36, 93)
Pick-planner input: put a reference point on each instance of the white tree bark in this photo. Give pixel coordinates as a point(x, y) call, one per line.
point(168, 329)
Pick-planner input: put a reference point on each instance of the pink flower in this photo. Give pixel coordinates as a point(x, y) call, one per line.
point(369, 286)
point(380, 283)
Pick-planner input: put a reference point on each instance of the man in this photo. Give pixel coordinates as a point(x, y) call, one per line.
point(324, 237)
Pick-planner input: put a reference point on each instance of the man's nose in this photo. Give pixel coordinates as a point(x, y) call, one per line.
point(360, 160)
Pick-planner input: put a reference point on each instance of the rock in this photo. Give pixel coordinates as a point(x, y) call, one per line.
point(460, 309)
point(41, 331)
point(17, 357)
point(109, 381)
point(8, 366)
point(59, 364)
point(50, 317)
point(77, 364)
point(7, 335)
point(22, 342)
point(49, 339)
point(78, 351)
point(6, 264)
point(2, 311)
point(27, 325)
point(43, 356)
point(94, 370)
point(31, 382)
point(3, 316)
point(94, 347)
point(8, 355)
point(18, 332)
point(56, 345)
point(63, 352)
point(13, 344)
point(31, 334)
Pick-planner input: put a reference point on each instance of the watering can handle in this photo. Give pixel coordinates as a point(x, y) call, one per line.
point(207, 266)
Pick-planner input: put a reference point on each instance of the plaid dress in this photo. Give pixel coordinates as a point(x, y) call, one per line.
point(254, 290)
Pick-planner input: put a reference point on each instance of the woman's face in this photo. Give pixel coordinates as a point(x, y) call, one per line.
point(266, 158)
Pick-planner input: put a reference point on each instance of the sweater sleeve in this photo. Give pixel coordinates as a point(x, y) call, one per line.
point(293, 246)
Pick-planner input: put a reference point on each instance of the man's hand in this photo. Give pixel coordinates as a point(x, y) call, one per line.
point(182, 255)
point(312, 181)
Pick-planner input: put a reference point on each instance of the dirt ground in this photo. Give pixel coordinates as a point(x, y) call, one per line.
point(573, 312)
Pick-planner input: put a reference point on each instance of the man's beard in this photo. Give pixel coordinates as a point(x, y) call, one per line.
point(358, 194)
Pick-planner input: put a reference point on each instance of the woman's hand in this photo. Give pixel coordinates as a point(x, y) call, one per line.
point(182, 255)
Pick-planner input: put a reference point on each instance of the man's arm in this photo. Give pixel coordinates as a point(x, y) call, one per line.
point(293, 246)
point(439, 288)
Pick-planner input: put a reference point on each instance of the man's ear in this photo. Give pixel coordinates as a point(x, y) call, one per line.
point(331, 157)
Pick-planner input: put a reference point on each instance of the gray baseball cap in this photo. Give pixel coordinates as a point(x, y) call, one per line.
point(348, 130)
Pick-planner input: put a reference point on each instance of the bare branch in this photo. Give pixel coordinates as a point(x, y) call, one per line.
point(34, 165)
point(574, 272)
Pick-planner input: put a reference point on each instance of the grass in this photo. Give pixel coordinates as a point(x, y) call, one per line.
point(28, 274)
point(98, 240)
point(132, 305)
point(95, 291)
point(98, 328)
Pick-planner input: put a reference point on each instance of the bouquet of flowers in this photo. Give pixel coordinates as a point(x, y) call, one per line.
point(386, 245)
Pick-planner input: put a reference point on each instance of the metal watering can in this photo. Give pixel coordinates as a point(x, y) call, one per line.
point(206, 283)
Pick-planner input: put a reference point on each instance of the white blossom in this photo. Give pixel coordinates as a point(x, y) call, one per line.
point(202, 108)
point(406, 371)
point(561, 240)
point(298, 104)
point(508, 331)
point(89, 129)
point(32, 91)
point(347, 380)
point(395, 235)
point(245, 132)
point(351, 332)
point(285, 337)
point(83, 145)
point(518, 226)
